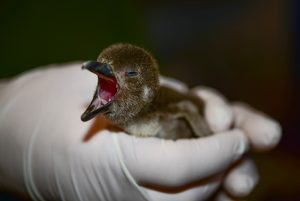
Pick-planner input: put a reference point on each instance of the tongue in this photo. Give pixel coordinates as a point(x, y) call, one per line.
point(106, 95)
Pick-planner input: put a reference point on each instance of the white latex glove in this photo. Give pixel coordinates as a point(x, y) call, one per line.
point(45, 153)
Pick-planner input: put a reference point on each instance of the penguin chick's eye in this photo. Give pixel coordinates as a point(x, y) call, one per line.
point(131, 73)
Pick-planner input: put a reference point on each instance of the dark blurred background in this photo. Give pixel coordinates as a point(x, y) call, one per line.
point(248, 50)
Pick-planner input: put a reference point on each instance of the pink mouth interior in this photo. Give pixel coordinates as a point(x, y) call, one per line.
point(106, 90)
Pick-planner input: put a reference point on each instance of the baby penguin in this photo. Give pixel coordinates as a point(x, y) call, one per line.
point(130, 96)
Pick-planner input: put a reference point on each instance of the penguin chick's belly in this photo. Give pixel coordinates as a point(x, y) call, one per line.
point(175, 129)
point(168, 128)
point(144, 127)
point(165, 126)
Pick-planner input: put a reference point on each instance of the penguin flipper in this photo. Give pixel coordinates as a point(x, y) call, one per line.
point(188, 111)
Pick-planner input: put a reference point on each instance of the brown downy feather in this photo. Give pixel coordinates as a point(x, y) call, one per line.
point(144, 108)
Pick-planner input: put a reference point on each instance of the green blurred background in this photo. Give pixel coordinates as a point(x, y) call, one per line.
point(245, 49)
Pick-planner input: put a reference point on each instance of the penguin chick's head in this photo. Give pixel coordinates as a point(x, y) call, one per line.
point(128, 80)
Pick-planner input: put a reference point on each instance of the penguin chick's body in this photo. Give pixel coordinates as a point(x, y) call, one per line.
point(130, 96)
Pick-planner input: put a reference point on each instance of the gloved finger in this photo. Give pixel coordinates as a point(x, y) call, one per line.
point(263, 132)
point(194, 194)
point(221, 196)
point(177, 163)
point(173, 83)
point(217, 112)
point(242, 179)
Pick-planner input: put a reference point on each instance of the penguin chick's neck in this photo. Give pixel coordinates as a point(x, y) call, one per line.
point(126, 113)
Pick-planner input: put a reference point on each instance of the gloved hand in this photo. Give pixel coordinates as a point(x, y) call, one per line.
point(46, 152)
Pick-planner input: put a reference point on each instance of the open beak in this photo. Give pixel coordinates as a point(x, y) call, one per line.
point(98, 68)
point(105, 91)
